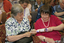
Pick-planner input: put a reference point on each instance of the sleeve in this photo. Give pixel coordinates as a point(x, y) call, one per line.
point(57, 21)
point(9, 29)
point(28, 12)
point(37, 27)
point(54, 9)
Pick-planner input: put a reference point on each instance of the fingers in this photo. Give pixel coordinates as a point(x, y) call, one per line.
point(33, 31)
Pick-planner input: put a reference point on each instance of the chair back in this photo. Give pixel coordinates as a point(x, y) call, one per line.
point(2, 33)
point(3, 17)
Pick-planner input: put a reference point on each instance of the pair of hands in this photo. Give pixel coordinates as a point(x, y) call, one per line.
point(51, 29)
point(28, 34)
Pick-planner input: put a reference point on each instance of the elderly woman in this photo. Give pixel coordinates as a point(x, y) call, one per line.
point(16, 24)
point(47, 20)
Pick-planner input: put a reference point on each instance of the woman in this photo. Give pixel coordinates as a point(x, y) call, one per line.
point(16, 25)
point(47, 20)
point(5, 6)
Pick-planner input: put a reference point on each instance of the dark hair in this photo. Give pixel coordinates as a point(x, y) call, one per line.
point(46, 1)
point(46, 8)
point(24, 1)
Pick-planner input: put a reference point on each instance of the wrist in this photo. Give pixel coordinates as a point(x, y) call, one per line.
point(54, 28)
point(24, 35)
point(44, 39)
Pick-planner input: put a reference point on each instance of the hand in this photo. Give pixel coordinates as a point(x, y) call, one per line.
point(36, 9)
point(50, 29)
point(50, 40)
point(27, 34)
point(33, 31)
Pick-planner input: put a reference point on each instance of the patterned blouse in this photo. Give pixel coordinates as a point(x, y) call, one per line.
point(13, 27)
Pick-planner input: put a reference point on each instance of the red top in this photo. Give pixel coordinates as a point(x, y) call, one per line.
point(7, 7)
point(54, 21)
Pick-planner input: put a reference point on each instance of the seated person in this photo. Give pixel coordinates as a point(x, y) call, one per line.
point(36, 5)
point(24, 4)
point(5, 6)
point(59, 10)
point(17, 23)
point(47, 20)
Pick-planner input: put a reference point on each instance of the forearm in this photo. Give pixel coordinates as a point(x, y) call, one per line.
point(46, 38)
point(60, 27)
point(8, 13)
point(60, 18)
point(15, 38)
point(59, 14)
point(41, 38)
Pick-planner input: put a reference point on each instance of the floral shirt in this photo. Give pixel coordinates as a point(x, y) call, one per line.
point(13, 27)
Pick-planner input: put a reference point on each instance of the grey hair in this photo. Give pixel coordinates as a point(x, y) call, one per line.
point(60, 1)
point(16, 8)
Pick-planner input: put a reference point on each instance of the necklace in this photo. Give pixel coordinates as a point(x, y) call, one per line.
point(44, 23)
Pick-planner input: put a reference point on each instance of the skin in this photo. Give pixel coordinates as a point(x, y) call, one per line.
point(19, 17)
point(45, 17)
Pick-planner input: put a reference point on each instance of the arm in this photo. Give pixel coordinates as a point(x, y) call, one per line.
point(59, 14)
point(50, 40)
point(56, 13)
point(59, 27)
point(17, 37)
point(60, 18)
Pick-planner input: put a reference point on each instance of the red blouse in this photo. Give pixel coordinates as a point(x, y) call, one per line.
point(54, 21)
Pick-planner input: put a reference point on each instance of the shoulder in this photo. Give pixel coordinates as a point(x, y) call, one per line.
point(25, 19)
point(53, 16)
point(38, 21)
point(10, 20)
